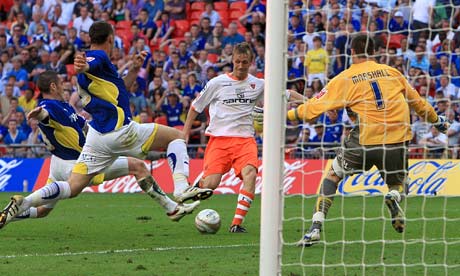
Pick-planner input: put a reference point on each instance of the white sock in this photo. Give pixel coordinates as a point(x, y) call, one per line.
point(47, 194)
point(150, 187)
point(178, 161)
point(318, 217)
point(29, 213)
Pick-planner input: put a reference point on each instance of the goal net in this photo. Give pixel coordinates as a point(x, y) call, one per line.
point(357, 236)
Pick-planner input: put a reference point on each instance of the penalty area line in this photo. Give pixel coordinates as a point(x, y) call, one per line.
point(135, 250)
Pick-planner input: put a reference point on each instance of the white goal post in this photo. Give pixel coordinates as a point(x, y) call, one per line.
point(274, 112)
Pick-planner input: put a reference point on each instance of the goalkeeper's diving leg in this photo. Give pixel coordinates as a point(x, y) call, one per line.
point(323, 203)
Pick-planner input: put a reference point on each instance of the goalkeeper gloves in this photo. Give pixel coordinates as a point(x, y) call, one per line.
point(258, 115)
point(442, 124)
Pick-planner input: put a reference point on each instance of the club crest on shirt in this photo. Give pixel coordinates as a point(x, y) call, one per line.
point(253, 85)
point(239, 93)
point(89, 59)
point(321, 93)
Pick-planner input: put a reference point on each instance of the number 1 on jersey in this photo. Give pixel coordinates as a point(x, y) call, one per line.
point(379, 102)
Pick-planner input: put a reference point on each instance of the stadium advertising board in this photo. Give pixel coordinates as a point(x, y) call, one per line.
point(426, 177)
point(18, 174)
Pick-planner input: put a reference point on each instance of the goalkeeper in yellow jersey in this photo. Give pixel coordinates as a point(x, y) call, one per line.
point(381, 98)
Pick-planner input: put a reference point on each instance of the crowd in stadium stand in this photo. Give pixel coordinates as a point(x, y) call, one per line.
point(191, 42)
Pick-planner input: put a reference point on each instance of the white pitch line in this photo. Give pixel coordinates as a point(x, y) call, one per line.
point(135, 250)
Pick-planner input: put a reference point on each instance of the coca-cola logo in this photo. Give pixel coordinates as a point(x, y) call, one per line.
point(426, 177)
point(5, 167)
point(231, 183)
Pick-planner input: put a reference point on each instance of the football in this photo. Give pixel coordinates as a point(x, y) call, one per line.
point(207, 221)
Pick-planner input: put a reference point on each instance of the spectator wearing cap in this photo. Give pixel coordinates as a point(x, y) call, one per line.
point(233, 36)
point(154, 8)
point(177, 9)
point(420, 60)
point(210, 13)
point(170, 104)
point(83, 22)
point(321, 135)
point(422, 11)
point(398, 24)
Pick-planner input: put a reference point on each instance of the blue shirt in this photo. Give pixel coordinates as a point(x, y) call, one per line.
point(153, 10)
point(188, 91)
point(21, 75)
point(395, 27)
point(234, 39)
point(173, 114)
point(20, 136)
point(103, 93)
point(62, 130)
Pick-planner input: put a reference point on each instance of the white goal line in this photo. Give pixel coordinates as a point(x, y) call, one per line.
point(135, 250)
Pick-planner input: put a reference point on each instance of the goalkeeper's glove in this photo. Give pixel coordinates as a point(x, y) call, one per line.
point(442, 124)
point(258, 115)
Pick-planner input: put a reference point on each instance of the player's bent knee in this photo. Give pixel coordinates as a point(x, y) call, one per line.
point(337, 170)
point(43, 212)
point(137, 167)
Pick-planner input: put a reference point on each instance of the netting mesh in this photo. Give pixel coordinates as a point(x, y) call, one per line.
point(357, 237)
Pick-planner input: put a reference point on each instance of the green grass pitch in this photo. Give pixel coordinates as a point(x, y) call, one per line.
point(127, 234)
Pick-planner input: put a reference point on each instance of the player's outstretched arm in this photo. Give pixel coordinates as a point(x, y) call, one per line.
point(80, 63)
point(38, 113)
point(137, 61)
point(191, 116)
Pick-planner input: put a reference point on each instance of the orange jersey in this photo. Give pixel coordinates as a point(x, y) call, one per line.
point(379, 94)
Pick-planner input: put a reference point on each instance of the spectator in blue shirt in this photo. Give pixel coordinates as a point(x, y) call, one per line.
point(398, 24)
point(295, 27)
point(173, 109)
point(193, 88)
point(184, 54)
point(256, 6)
point(420, 60)
point(154, 8)
point(233, 36)
point(14, 136)
point(146, 25)
point(18, 38)
point(322, 136)
point(19, 73)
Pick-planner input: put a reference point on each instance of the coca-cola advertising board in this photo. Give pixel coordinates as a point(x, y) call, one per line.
point(426, 177)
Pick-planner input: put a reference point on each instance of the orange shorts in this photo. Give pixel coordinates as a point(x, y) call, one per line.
point(223, 153)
